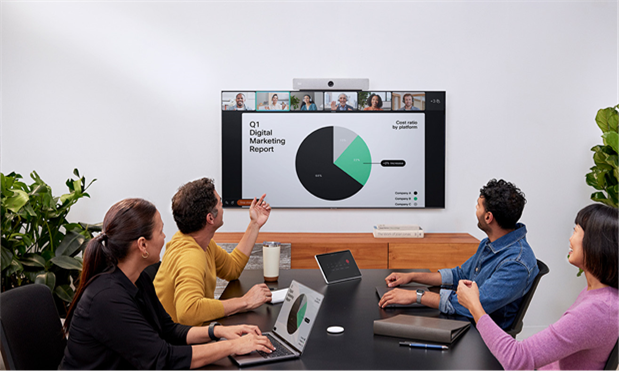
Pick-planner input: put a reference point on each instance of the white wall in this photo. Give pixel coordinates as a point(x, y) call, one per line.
point(129, 93)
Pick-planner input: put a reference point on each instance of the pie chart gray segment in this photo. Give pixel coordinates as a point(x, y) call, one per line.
point(342, 138)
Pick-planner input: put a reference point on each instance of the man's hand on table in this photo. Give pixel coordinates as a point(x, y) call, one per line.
point(256, 296)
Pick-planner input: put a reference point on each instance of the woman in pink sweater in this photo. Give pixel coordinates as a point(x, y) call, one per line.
point(584, 336)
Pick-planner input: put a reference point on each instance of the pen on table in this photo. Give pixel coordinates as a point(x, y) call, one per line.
point(422, 345)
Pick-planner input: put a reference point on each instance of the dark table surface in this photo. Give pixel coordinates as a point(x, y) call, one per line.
point(354, 306)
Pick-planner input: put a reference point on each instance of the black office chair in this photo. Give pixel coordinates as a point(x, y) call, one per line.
point(613, 359)
point(30, 327)
point(516, 326)
point(152, 269)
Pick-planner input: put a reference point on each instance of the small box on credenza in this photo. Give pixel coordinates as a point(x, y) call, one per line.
point(397, 231)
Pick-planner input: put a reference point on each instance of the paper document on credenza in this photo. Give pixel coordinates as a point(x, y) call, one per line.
point(434, 329)
point(397, 230)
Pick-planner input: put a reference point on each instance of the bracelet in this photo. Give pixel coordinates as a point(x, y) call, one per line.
point(211, 330)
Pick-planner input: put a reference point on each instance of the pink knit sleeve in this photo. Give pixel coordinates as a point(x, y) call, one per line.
point(574, 331)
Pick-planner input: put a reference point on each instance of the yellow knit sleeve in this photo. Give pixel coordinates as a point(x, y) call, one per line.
point(229, 265)
point(193, 307)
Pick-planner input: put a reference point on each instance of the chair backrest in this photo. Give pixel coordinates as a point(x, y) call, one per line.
point(516, 326)
point(152, 270)
point(613, 359)
point(31, 330)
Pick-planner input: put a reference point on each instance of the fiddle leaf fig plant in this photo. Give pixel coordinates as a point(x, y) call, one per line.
point(603, 176)
point(39, 245)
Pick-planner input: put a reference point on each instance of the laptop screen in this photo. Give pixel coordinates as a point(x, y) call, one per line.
point(298, 314)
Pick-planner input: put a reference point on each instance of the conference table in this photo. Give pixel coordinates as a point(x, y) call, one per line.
point(354, 306)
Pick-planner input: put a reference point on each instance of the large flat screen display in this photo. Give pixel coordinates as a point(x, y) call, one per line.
point(334, 149)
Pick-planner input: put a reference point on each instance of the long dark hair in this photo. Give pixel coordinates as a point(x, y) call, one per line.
point(380, 100)
point(599, 244)
point(125, 222)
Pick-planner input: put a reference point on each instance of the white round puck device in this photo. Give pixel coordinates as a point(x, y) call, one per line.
point(335, 329)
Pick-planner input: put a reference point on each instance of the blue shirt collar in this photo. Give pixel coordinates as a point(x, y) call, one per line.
point(509, 239)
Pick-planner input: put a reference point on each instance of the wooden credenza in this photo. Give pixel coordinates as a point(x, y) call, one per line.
point(434, 251)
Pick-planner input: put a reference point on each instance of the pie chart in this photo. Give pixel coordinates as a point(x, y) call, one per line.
point(297, 313)
point(333, 163)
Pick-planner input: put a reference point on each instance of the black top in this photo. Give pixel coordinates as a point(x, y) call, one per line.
point(119, 325)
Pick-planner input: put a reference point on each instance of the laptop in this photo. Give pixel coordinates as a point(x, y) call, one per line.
point(382, 290)
point(338, 266)
point(292, 328)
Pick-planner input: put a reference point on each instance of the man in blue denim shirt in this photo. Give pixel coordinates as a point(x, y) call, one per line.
point(503, 267)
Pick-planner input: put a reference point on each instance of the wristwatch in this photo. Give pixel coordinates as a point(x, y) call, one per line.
point(211, 330)
point(419, 295)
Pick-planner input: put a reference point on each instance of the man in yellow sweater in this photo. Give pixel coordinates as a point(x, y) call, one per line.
point(185, 282)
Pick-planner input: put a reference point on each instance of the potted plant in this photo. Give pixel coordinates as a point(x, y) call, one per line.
point(294, 102)
point(363, 99)
point(603, 175)
point(39, 245)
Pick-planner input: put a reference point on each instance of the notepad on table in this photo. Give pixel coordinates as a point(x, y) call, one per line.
point(278, 296)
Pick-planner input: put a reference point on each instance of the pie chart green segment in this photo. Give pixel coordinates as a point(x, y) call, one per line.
point(356, 161)
point(301, 315)
point(333, 163)
point(296, 314)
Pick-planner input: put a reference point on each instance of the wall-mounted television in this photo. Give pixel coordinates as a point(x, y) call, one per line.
point(334, 149)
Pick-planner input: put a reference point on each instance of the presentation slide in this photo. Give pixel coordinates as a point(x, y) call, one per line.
point(334, 160)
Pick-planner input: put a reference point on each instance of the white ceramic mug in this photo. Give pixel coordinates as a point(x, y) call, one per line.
point(270, 260)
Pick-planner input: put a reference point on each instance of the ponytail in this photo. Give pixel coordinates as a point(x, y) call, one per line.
point(95, 263)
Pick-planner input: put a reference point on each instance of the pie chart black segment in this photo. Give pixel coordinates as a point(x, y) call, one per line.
point(317, 172)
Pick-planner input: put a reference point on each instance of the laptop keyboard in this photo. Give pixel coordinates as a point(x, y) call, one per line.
point(280, 349)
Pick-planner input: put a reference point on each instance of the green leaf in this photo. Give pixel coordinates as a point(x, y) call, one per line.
point(14, 268)
point(580, 272)
point(612, 160)
point(600, 197)
point(606, 119)
point(591, 180)
point(46, 278)
point(612, 195)
point(65, 197)
point(64, 292)
point(7, 257)
point(611, 139)
point(28, 208)
point(47, 255)
point(77, 185)
point(16, 201)
point(598, 175)
point(93, 227)
point(38, 189)
point(67, 262)
point(70, 243)
point(83, 246)
point(33, 260)
point(613, 119)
